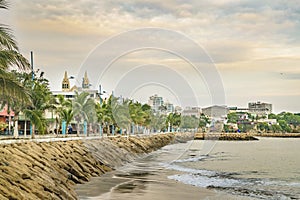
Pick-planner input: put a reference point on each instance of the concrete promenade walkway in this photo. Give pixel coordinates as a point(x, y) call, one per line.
point(54, 138)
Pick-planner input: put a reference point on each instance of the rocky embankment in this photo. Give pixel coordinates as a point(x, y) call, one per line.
point(224, 136)
point(280, 135)
point(49, 170)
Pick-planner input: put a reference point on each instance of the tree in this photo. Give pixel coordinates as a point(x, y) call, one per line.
point(64, 110)
point(293, 120)
point(147, 114)
point(25, 80)
point(245, 127)
point(137, 114)
point(84, 109)
point(263, 126)
point(104, 115)
point(276, 128)
point(272, 116)
point(189, 122)
point(158, 122)
point(120, 113)
point(284, 126)
point(10, 57)
point(203, 121)
point(41, 99)
point(11, 91)
point(173, 120)
point(227, 128)
point(232, 118)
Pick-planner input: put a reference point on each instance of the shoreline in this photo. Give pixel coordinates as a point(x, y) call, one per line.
point(109, 187)
point(279, 135)
point(225, 136)
point(152, 182)
point(51, 170)
point(242, 136)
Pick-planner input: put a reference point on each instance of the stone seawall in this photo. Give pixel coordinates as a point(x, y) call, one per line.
point(280, 135)
point(224, 136)
point(49, 170)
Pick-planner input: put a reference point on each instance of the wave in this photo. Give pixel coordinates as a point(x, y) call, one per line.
point(195, 159)
point(252, 187)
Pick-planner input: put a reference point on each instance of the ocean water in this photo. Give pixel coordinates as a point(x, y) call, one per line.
point(264, 169)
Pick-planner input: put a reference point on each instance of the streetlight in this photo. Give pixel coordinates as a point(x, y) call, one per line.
point(100, 100)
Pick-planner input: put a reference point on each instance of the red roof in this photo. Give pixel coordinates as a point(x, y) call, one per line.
point(3, 112)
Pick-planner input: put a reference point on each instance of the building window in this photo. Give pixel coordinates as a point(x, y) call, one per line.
point(65, 86)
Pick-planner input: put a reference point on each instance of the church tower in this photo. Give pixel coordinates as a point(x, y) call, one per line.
point(85, 82)
point(65, 83)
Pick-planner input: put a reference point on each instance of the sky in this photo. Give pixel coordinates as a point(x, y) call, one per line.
point(194, 52)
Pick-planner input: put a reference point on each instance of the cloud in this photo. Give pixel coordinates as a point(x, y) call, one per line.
point(258, 38)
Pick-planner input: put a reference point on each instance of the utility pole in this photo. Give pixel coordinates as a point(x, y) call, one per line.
point(32, 78)
point(31, 59)
point(100, 125)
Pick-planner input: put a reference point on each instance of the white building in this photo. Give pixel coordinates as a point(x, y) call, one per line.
point(260, 108)
point(191, 111)
point(178, 109)
point(218, 112)
point(156, 103)
point(69, 92)
point(170, 107)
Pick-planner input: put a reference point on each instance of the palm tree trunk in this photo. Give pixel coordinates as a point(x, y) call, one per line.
point(33, 131)
point(89, 127)
point(108, 130)
point(16, 130)
point(25, 128)
point(77, 128)
point(9, 123)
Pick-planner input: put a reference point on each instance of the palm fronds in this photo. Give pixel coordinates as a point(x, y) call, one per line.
point(10, 88)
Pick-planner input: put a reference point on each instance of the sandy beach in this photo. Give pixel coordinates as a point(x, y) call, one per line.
point(151, 188)
point(147, 178)
point(232, 170)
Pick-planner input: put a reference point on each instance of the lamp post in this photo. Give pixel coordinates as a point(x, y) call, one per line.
point(100, 101)
point(32, 78)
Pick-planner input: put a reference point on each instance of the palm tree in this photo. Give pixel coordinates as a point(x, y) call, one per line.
point(10, 57)
point(107, 118)
point(42, 100)
point(138, 115)
point(173, 120)
point(37, 120)
point(100, 112)
point(64, 110)
point(67, 116)
point(25, 80)
point(121, 114)
point(157, 122)
point(10, 89)
point(84, 108)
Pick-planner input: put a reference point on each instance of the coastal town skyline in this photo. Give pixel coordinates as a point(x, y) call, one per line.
point(254, 45)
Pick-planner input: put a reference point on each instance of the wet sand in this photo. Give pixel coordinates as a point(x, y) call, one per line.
point(149, 187)
point(146, 178)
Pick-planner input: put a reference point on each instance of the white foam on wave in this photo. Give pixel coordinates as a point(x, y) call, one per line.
point(195, 159)
point(204, 178)
point(190, 170)
point(280, 183)
point(204, 181)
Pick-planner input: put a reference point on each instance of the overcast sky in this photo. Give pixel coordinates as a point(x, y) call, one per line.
point(254, 45)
